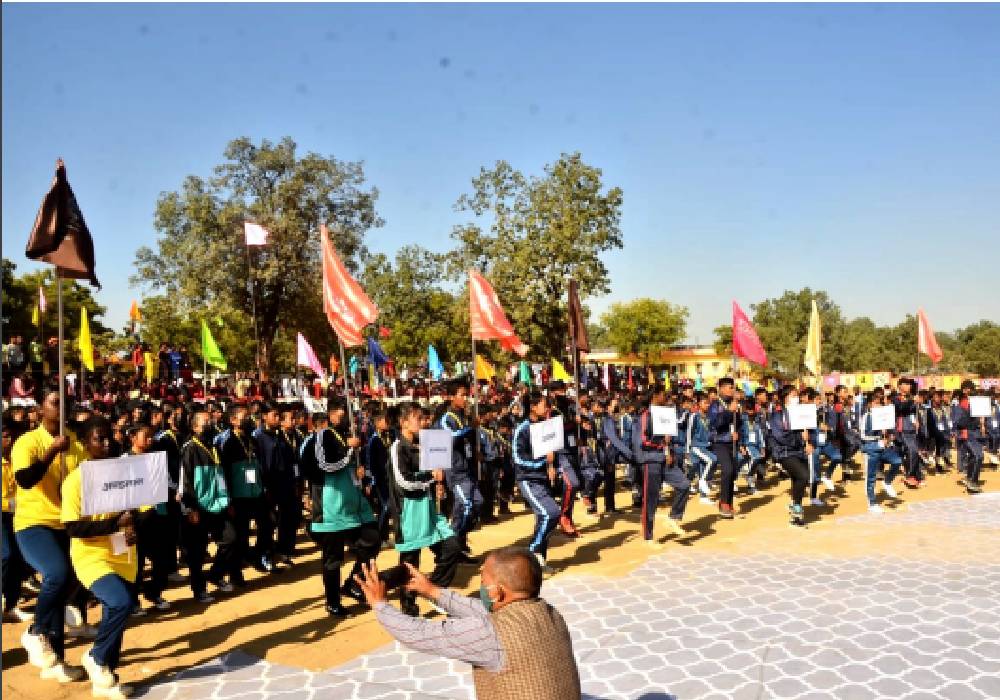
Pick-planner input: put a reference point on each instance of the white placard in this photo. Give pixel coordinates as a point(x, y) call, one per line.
point(546, 437)
point(802, 416)
point(979, 406)
point(114, 485)
point(664, 420)
point(884, 417)
point(435, 449)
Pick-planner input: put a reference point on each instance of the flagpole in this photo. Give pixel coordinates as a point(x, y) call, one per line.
point(475, 412)
point(62, 365)
point(253, 307)
point(347, 391)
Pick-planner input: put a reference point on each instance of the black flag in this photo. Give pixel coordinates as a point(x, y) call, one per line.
point(60, 235)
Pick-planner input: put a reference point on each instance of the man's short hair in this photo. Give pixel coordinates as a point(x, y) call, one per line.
point(518, 569)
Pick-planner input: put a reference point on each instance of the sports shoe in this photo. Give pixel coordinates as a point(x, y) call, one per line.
point(205, 597)
point(889, 490)
point(751, 484)
point(176, 577)
point(223, 586)
point(99, 675)
point(161, 604)
point(39, 649)
point(674, 526)
point(72, 616)
point(15, 614)
point(875, 509)
point(817, 502)
point(83, 631)
point(726, 511)
point(910, 481)
point(828, 483)
point(62, 672)
point(795, 510)
point(138, 611)
point(703, 488)
point(973, 489)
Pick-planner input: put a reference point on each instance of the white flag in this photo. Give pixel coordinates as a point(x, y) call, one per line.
point(255, 233)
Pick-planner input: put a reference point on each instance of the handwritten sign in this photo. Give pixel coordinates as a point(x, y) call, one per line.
point(979, 406)
point(435, 449)
point(547, 436)
point(884, 417)
point(664, 420)
point(802, 416)
point(114, 485)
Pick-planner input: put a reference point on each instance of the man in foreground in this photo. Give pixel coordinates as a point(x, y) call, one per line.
point(501, 634)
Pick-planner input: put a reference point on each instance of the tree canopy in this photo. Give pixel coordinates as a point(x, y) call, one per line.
point(644, 327)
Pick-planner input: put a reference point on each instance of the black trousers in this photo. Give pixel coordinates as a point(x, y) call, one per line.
point(653, 477)
point(158, 545)
point(446, 557)
point(727, 466)
point(255, 509)
point(364, 542)
point(289, 507)
point(218, 526)
point(488, 488)
point(798, 470)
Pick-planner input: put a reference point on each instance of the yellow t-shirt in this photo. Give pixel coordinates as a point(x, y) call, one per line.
point(9, 486)
point(94, 557)
point(41, 504)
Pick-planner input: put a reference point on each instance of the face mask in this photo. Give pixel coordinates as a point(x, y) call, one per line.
point(485, 597)
point(793, 400)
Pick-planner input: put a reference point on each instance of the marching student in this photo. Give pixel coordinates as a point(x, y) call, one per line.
point(844, 429)
point(420, 525)
point(280, 469)
point(615, 449)
point(536, 478)
point(699, 448)
point(461, 481)
point(941, 431)
point(41, 459)
point(907, 428)
point(820, 439)
point(566, 458)
point(653, 454)
point(752, 444)
point(878, 448)
point(969, 430)
point(341, 515)
point(376, 459)
point(490, 463)
point(207, 512)
point(238, 455)
point(105, 559)
point(723, 421)
point(590, 463)
point(791, 449)
point(154, 542)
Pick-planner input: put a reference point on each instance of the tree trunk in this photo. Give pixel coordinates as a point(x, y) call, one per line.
point(266, 351)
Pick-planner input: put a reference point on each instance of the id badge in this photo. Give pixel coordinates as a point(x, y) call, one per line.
point(821, 438)
point(881, 444)
point(571, 440)
point(752, 438)
point(250, 475)
point(468, 451)
point(940, 428)
point(220, 481)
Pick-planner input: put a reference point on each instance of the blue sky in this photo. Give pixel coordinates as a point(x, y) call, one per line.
point(854, 148)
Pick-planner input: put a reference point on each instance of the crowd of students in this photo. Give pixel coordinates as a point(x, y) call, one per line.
point(248, 474)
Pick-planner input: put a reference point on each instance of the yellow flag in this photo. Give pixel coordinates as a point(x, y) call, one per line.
point(559, 372)
point(813, 356)
point(151, 363)
point(83, 342)
point(34, 316)
point(484, 370)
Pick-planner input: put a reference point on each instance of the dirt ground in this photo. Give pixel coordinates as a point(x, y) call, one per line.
point(281, 616)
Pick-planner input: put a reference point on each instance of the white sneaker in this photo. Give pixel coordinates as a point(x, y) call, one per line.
point(875, 509)
point(817, 502)
point(73, 616)
point(703, 487)
point(82, 631)
point(828, 483)
point(39, 650)
point(17, 615)
point(888, 490)
point(99, 675)
point(62, 672)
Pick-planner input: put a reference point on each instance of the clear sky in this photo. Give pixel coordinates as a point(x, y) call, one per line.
point(760, 148)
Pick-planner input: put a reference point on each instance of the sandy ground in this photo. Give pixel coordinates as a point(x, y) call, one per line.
point(281, 616)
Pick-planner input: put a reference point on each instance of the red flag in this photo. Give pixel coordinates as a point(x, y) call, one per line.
point(926, 342)
point(347, 307)
point(384, 332)
point(486, 317)
point(745, 341)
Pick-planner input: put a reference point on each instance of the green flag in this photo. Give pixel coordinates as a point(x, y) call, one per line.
point(209, 350)
point(525, 373)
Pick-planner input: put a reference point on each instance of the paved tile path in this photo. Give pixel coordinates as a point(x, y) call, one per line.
point(689, 625)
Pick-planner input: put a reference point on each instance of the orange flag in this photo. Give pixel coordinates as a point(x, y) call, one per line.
point(347, 307)
point(134, 313)
point(486, 317)
point(926, 342)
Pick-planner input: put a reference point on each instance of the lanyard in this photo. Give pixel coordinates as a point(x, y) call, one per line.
point(213, 451)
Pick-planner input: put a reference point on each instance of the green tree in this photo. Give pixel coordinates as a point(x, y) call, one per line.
point(981, 347)
point(861, 345)
point(783, 326)
point(201, 264)
point(644, 327)
point(541, 230)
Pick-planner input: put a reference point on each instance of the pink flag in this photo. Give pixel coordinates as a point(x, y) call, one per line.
point(347, 307)
point(307, 358)
point(255, 233)
point(41, 300)
point(486, 316)
point(926, 342)
point(745, 341)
